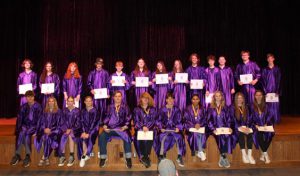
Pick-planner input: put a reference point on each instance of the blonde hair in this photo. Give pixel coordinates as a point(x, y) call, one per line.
point(213, 101)
point(148, 96)
point(55, 107)
point(237, 112)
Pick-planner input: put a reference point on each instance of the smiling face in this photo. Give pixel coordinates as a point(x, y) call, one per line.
point(170, 101)
point(141, 63)
point(240, 100)
point(218, 96)
point(98, 65)
point(159, 67)
point(194, 59)
point(51, 103)
point(27, 65)
point(211, 62)
point(195, 100)
point(177, 65)
point(258, 97)
point(222, 61)
point(145, 101)
point(48, 67)
point(88, 102)
point(73, 68)
point(118, 98)
point(245, 56)
point(70, 102)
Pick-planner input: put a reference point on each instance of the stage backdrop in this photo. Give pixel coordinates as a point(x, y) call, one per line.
point(81, 30)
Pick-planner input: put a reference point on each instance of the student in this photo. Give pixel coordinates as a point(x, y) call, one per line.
point(144, 117)
point(271, 83)
point(219, 116)
point(195, 71)
point(116, 124)
point(26, 126)
point(89, 130)
point(70, 130)
point(227, 81)
point(195, 117)
point(48, 131)
point(26, 77)
point(72, 84)
point(119, 67)
point(48, 76)
point(247, 67)
point(243, 126)
point(179, 89)
point(141, 70)
point(262, 116)
point(98, 78)
point(170, 126)
point(160, 90)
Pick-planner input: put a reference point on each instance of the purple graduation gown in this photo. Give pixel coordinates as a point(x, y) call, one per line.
point(73, 87)
point(26, 78)
point(271, 83)
point(160, 92)
point(139, 90)
point(164, 122)
point(179, 92)
point(53, 78)
point(89, 124)
point(122, 89)
point(248, 89)
point(52, 121)
point(197, 72)
point(190, 120)
point(225, 119)
point(213, 79)
point(227, 83)
point(27, 122)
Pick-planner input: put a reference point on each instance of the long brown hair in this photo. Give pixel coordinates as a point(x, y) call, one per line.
point(180, 66)
point(55, 108)
point(137, 69)
point(164, 70)
point(149, 97)
point(44, 73)
point(68, 74)
point(237, 112)
point(262, 105)
point(213, 103)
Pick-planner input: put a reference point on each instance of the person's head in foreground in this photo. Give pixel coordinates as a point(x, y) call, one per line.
point(167, 167)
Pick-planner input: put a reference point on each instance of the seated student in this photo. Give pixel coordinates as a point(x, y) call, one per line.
point(70, 130)
point(89, 130)
point(219, 116)
point(195, 117)
point(167, 167)
point(116, 124)
point(27, 122)
point(144, 120)
point(262, 116)
point(170, 126)
point(48, 131)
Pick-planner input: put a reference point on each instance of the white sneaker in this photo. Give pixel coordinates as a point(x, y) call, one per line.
point(250, 157)
point(262, 157)
point(82, 162)
point(267, 158)
point(201, 155)
point(86, 157)
point(245, 156)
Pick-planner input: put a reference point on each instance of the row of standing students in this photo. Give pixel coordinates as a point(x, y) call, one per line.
point(54, 128)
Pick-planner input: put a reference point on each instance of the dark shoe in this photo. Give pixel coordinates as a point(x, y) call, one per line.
point(146, 161)
point(26, 161)
point(15, 160)
point(102, 162)
point(128, 163)
point(180, 161)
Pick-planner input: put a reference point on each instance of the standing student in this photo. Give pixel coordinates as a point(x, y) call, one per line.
point(70, 130)
point(48, 76)
point(26, 126)
point(26, 77)
point(144, 117)
point(271, 83)
point(195, 117)
point(160, 90)
point(262, 116)
point(72, 84)
point(227, 80)
point(247, 67)
point(141, 70)
point(48, 131)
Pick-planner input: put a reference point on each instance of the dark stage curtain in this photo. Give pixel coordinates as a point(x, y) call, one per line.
point(80, 30)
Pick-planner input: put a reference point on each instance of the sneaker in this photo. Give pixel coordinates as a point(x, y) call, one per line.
point(226, 163)
point(26, 161)
point(41, 162)
point(15, 160)
point(47, 162)
point(102, 162)
point(128, 163)
point(180, 161)
point(82, 162)
point(267, 158)
point(62, 161)
point(86, 157)
point(262, 157)
point(71, 161)
point(146, 162)
point(221, 162)
point(250, 157)
point(201, 155)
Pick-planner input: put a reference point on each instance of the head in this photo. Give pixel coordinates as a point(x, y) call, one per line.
point(245, 55)
point(239, 102)
point(48, 68)
point(170, 99)
point(119, 66)
point(72, 70)
point(29, 96)
point(194, 58)
point(211, 59)
point(99, 63)
point(218, 98)
point(195, 100)
point(222, 60)
point(51, 104)
point(160, 67)
point(259, 101)
point(27, 64)
point(117, 96)
point(177, 66)
point(166, 167)
point(146, 99)
point(270, 58)
point(141, 64)
point(88, 101)
point(70, 102)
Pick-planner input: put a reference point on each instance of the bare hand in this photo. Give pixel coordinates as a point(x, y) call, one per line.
point(145, 129)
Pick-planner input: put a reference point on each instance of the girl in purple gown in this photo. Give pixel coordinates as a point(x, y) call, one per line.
point(227, 80)
point(26, 77)
point(271, 83)
point(49, 77)
point(72, 84)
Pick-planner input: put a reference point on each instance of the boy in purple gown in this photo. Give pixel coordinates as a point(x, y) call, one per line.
point(47, 134)
point(26, 126)
point(116, 125)
point(27, 77)
point(247, 67)
point(197, 72)
point(70, 131)
point(89, 130)
point(195, 117)
point(170, 128)
point(271, 83)
point(49, 77)
point(227, 81)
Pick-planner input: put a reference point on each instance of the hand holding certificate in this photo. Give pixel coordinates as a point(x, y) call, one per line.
point(245, 129)
point(142, 82)
point(200, 130)
point(266, 128)
point(272, 98)
point(101, 93)
point(47, 88)
point(181, 77)
point(223, 130)
point(23, 88)
point(246, 78)
point(145, 135)
point(162, 78)
point(118, 81)
point(196, 84)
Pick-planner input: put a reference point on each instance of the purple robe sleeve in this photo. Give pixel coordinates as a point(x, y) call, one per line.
point(90, 80)
point(64, 85)
point(178, 119)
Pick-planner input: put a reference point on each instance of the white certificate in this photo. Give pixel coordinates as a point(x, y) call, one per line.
point(266, 128)
point(161, 78)
point(196, 84)
point(272, 97)
point(118, 81)
point(200, 130)
point(100, 93)
point(76, 104)
point(181, 77)
point(209, 98)
point(23, 88)
point(243, 127)
point(47, 88)
point(246, 78)
point(141, 81)
point(145, 135)
point(223, 131)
